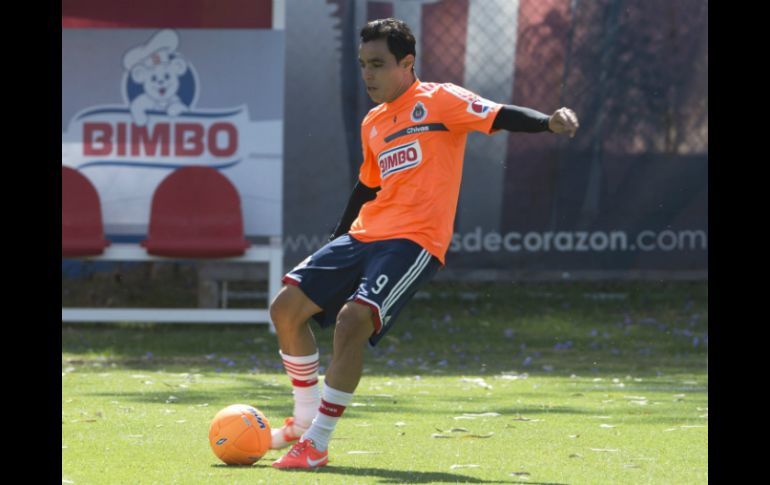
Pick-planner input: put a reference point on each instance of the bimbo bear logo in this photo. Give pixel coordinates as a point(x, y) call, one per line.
point(158, 79)
point(159, 126)
point(146, 102)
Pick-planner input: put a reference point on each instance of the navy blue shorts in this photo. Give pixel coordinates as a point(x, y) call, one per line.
point(383, 275)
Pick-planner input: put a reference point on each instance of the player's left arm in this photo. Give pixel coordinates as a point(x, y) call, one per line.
point(518, 118)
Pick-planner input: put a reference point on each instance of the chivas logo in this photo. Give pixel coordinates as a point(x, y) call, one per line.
point(419, 112)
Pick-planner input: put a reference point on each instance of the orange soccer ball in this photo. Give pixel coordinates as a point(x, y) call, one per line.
point(239, 434)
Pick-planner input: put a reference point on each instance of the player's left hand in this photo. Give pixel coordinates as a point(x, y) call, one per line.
point(563, 120)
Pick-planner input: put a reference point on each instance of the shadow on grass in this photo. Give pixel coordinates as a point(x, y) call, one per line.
point(656, 329)
point(391, 476)
point(275, 402)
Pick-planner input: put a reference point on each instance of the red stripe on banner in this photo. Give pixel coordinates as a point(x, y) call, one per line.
point(179, 14)
point(331, 409)
point(530, 185)
point(378, 10)
point(299, 383)
point(442, 47)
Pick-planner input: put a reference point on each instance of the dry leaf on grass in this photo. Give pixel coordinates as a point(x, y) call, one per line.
point(488, 435)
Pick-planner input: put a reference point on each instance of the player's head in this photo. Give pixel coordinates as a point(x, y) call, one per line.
point(386, 56)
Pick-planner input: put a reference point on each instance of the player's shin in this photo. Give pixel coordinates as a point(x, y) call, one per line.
point(332, 406)
point(303, 371)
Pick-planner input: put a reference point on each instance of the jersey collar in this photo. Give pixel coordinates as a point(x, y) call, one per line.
point(405, 96)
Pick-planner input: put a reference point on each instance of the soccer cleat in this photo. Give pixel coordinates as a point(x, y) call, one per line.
point(303, 455)
point(286, 434)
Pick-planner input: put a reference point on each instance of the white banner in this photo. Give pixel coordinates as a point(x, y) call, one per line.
point(127, 149)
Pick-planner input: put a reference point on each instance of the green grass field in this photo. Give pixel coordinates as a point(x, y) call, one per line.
point(569, 383)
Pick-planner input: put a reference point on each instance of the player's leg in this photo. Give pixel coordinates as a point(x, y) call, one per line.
point(322, 282)
point(290, 311)
point(394, 269)
point(354, 327)
point(393, 272)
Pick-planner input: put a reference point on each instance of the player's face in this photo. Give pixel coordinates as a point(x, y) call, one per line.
point(385, 78)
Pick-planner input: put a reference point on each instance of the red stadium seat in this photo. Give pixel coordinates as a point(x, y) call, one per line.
point(196, 213)
point(82, 232)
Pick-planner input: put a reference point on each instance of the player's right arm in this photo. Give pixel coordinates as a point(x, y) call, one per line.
point(361, 195)
point(518, 118)
point(365, 189)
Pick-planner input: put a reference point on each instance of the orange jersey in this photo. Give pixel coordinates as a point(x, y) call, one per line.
point(413, 149)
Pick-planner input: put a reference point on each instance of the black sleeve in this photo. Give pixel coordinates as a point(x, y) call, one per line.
point(517, 118)
point(361, 194)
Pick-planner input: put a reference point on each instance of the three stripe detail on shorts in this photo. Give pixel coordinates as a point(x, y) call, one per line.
point(414, 271)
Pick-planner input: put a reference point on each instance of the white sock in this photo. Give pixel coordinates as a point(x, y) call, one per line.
point(303, 371)
point(332, 406)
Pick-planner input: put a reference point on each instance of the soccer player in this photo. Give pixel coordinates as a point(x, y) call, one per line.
point(393, 234)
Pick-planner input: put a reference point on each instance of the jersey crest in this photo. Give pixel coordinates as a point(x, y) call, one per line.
point(419, 112)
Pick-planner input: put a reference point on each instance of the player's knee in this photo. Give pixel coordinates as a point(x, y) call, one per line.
point(286, 309)
point(354, 324)
point(279, 309)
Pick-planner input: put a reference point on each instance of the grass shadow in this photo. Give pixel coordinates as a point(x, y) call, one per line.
point(399, 476)
point(462, 329)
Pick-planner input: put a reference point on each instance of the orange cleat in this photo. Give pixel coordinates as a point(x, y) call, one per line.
point(303, 455)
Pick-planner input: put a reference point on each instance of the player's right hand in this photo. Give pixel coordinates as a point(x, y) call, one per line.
point(563, 120)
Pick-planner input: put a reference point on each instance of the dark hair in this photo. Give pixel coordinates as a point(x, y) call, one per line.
point(396, 32)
